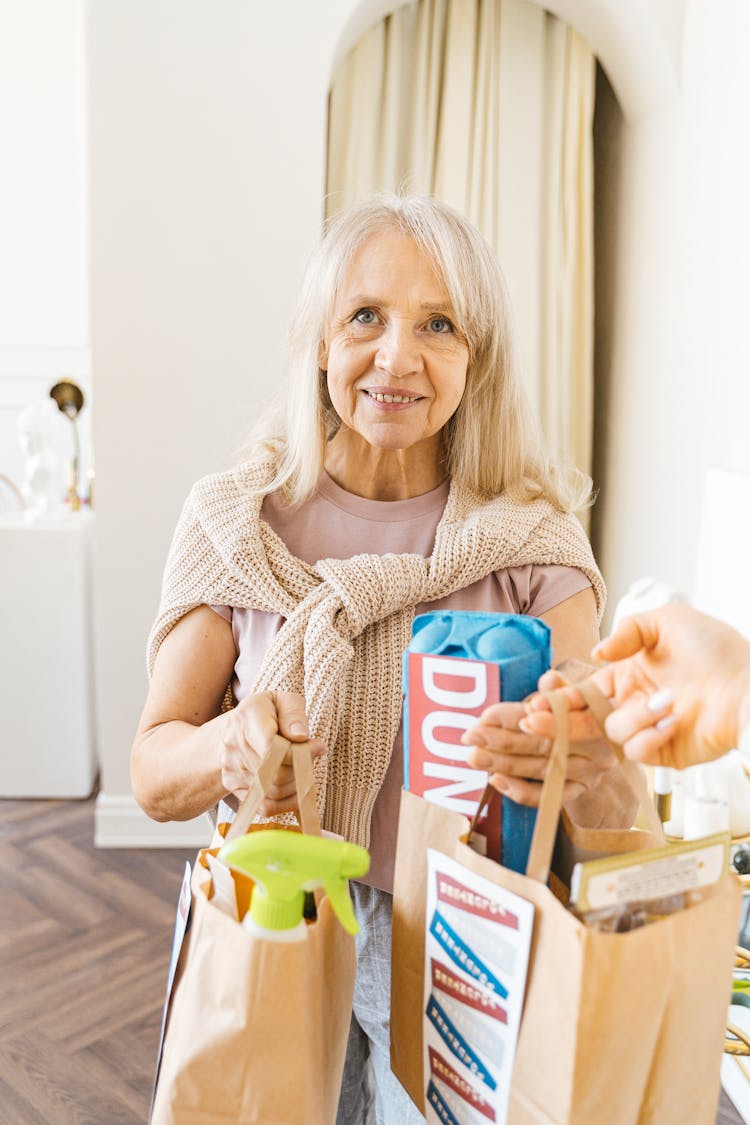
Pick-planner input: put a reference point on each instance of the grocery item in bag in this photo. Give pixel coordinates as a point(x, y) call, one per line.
point(609, 1030)
point(459, 662)
point(243, 1001)
point(283, 865)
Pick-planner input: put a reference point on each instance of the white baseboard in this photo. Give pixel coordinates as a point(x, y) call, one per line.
point(120, 823)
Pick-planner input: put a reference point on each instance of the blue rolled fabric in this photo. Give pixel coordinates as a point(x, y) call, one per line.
point(520, 647)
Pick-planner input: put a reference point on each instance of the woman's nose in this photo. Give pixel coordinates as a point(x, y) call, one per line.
point(398, 351)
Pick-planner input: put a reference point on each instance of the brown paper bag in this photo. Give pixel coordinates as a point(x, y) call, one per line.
point(616, 1028)
point(256, 1030)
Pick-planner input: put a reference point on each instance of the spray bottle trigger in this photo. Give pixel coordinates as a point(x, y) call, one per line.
point(353, 861)
point(337, 890)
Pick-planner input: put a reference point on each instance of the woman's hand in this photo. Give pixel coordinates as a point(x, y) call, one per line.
point(247, 734)
point(515, 753)
point(538, 719)
point(187, 753)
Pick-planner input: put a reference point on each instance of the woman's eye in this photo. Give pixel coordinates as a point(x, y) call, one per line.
point(440, 324)
point(365, 316)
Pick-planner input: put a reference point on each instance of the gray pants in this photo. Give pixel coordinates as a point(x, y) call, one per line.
point(370, 1092)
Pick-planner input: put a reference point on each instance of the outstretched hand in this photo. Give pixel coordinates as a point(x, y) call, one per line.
point(679, 682)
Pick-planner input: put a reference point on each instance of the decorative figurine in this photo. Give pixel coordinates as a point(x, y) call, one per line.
point(37, 425)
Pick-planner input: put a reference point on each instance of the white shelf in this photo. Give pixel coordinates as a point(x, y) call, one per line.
point(46, 664)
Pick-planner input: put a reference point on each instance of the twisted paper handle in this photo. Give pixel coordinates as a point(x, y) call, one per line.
point(303, 775)
point(550, 803)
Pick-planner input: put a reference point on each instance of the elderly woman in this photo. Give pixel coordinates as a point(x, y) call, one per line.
point(404, 476)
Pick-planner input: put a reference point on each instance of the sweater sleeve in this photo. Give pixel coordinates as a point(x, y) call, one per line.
point(192, 566)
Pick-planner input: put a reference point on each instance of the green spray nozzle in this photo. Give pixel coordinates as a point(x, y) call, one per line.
point(284, 865)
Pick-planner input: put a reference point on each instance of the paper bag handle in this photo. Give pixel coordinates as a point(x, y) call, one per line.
point(308, 815)
point(600, 708)
point(550, 803)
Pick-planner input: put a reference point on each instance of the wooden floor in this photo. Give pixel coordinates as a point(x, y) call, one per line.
point(85, 937)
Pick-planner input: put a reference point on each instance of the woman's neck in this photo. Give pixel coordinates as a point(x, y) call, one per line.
point(383, 474)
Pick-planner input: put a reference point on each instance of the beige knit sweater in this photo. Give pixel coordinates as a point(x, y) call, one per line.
point(348, 621)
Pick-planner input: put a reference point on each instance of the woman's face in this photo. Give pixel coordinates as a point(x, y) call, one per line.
point(395, 360)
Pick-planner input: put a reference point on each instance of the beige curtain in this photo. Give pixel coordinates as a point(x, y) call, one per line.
point(488, 104)
point(567, 307)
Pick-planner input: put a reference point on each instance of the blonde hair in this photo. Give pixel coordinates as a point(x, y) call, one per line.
point(492, 443)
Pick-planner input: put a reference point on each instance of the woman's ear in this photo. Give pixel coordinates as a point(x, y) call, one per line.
point(323, 356)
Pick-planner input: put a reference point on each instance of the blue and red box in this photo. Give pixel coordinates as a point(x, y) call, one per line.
point(458, 663)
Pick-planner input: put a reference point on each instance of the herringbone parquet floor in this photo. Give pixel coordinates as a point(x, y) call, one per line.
point(85, 937)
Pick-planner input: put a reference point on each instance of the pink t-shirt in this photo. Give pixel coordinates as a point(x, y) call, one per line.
point(336, 524)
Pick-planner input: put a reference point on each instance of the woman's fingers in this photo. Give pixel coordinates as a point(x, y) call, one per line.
point(270, 807)
point(488, 740)
point(502, 715)
point(291, 715)
point(603, 678)
point(516, 759)
point(551, 681)
point(526, 792)
point(247, 737)
point(317, 747)
point(498, 746)
point(518, 789)
point(514, 747)
point(529, 733)
point(250, 728)
point(282, 785)
point(581, 725)
point(582, 768)
point(530, 766)
point(640, 714)
point(281, 795)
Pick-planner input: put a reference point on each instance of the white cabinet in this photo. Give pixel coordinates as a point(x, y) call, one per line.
point(47, 743)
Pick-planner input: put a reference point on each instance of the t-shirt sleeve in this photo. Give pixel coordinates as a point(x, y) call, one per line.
point(537, 589)
point(224, 611)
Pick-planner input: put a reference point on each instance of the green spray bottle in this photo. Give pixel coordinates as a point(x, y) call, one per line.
point(283, 865)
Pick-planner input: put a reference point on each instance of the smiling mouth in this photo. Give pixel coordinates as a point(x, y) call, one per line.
point(382, 397)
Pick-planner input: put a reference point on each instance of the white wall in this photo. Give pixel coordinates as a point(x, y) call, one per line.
point(207, 139)
point(207, 132)
point(676, 343)
point(44, 332)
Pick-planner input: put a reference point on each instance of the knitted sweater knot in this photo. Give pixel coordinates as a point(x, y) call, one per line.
point(368, 588)
point(348, 621)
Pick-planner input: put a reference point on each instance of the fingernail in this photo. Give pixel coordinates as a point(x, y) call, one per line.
point(472, 738)
point(667, 722)
point(298, 728)
point(501, 783)
point(660, 700)
point(482, 761)
point(523, 725)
